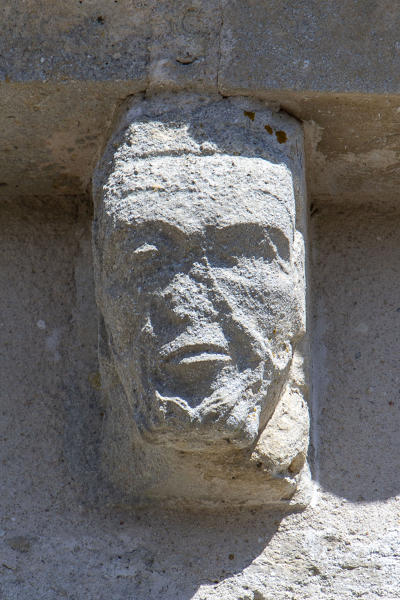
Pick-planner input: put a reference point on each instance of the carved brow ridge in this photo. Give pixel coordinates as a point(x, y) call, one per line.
point(246, 228)
point(250, 231)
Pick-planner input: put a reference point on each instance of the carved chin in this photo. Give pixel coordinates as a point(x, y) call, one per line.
point(189, 429)
point(230, 413)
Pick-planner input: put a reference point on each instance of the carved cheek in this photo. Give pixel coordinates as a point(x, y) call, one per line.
point(260, 292)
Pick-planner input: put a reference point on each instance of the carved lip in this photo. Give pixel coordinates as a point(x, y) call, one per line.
point(197, 353)
point(202, 358)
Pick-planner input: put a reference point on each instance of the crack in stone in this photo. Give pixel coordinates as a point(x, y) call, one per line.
point(222, 3)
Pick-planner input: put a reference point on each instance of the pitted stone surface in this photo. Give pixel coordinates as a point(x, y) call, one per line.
point(64, 67)
point(345, 545)
point(199, 258)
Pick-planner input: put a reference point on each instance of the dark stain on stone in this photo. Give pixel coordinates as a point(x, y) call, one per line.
point(268, 129)
point(19, 543)
point(250, 114)
point(186, 59)
point(281, 136)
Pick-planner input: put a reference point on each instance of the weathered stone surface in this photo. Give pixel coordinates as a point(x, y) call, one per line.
point(185, 45)
point(320, 46)
point(253, 45)
point(335, 64)
point(361, 326)
point(64, 69)
point(84, 40)
point(51, 136)
point(343, 546)
point(199, 256)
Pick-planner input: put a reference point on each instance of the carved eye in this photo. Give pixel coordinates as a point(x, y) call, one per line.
point(243, 242)
point(258, 248)
point(146, 251)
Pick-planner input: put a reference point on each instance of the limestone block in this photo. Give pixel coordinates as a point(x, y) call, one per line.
point(256, 45)
point(322, 46)
point(200, 284)
point(184, 49)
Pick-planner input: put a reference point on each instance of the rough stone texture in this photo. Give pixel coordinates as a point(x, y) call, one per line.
point(64, 70)
point(185, 45)
point(200, 283)
point(84, 40)
point(52, 136)
point(322, 46)
point(311, 46)
point(358, 326)
point(55, 542)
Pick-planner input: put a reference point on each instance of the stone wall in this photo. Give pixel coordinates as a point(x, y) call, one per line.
point(65, 71)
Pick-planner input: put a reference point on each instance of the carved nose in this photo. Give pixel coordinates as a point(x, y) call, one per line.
point(245, 336)
point(187, 296)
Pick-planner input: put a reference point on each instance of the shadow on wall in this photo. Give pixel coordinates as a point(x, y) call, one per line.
point(49, 426)
point(48, 352)
point(356, 353)
point(167, 555)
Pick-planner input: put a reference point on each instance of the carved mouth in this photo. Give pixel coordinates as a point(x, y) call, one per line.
point(192, 366)
point(193, 370)
point(203, 358)
point(200, 354)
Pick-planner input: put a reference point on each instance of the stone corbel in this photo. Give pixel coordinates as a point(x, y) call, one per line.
point(199, 238)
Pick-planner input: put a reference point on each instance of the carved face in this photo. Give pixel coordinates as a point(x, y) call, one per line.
point(200, 306)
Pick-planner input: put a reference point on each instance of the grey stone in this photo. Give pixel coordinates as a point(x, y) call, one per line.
point(46, 275)
point(185, 45)
point(334, 65)
point(310, 46)
point(20, 543)
point(89, 39)
point(51, 136)
point(64, 70)
point(200, 283)
point(254, 45)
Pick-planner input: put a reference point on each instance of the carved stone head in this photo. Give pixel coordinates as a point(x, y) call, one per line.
point(199, 272)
